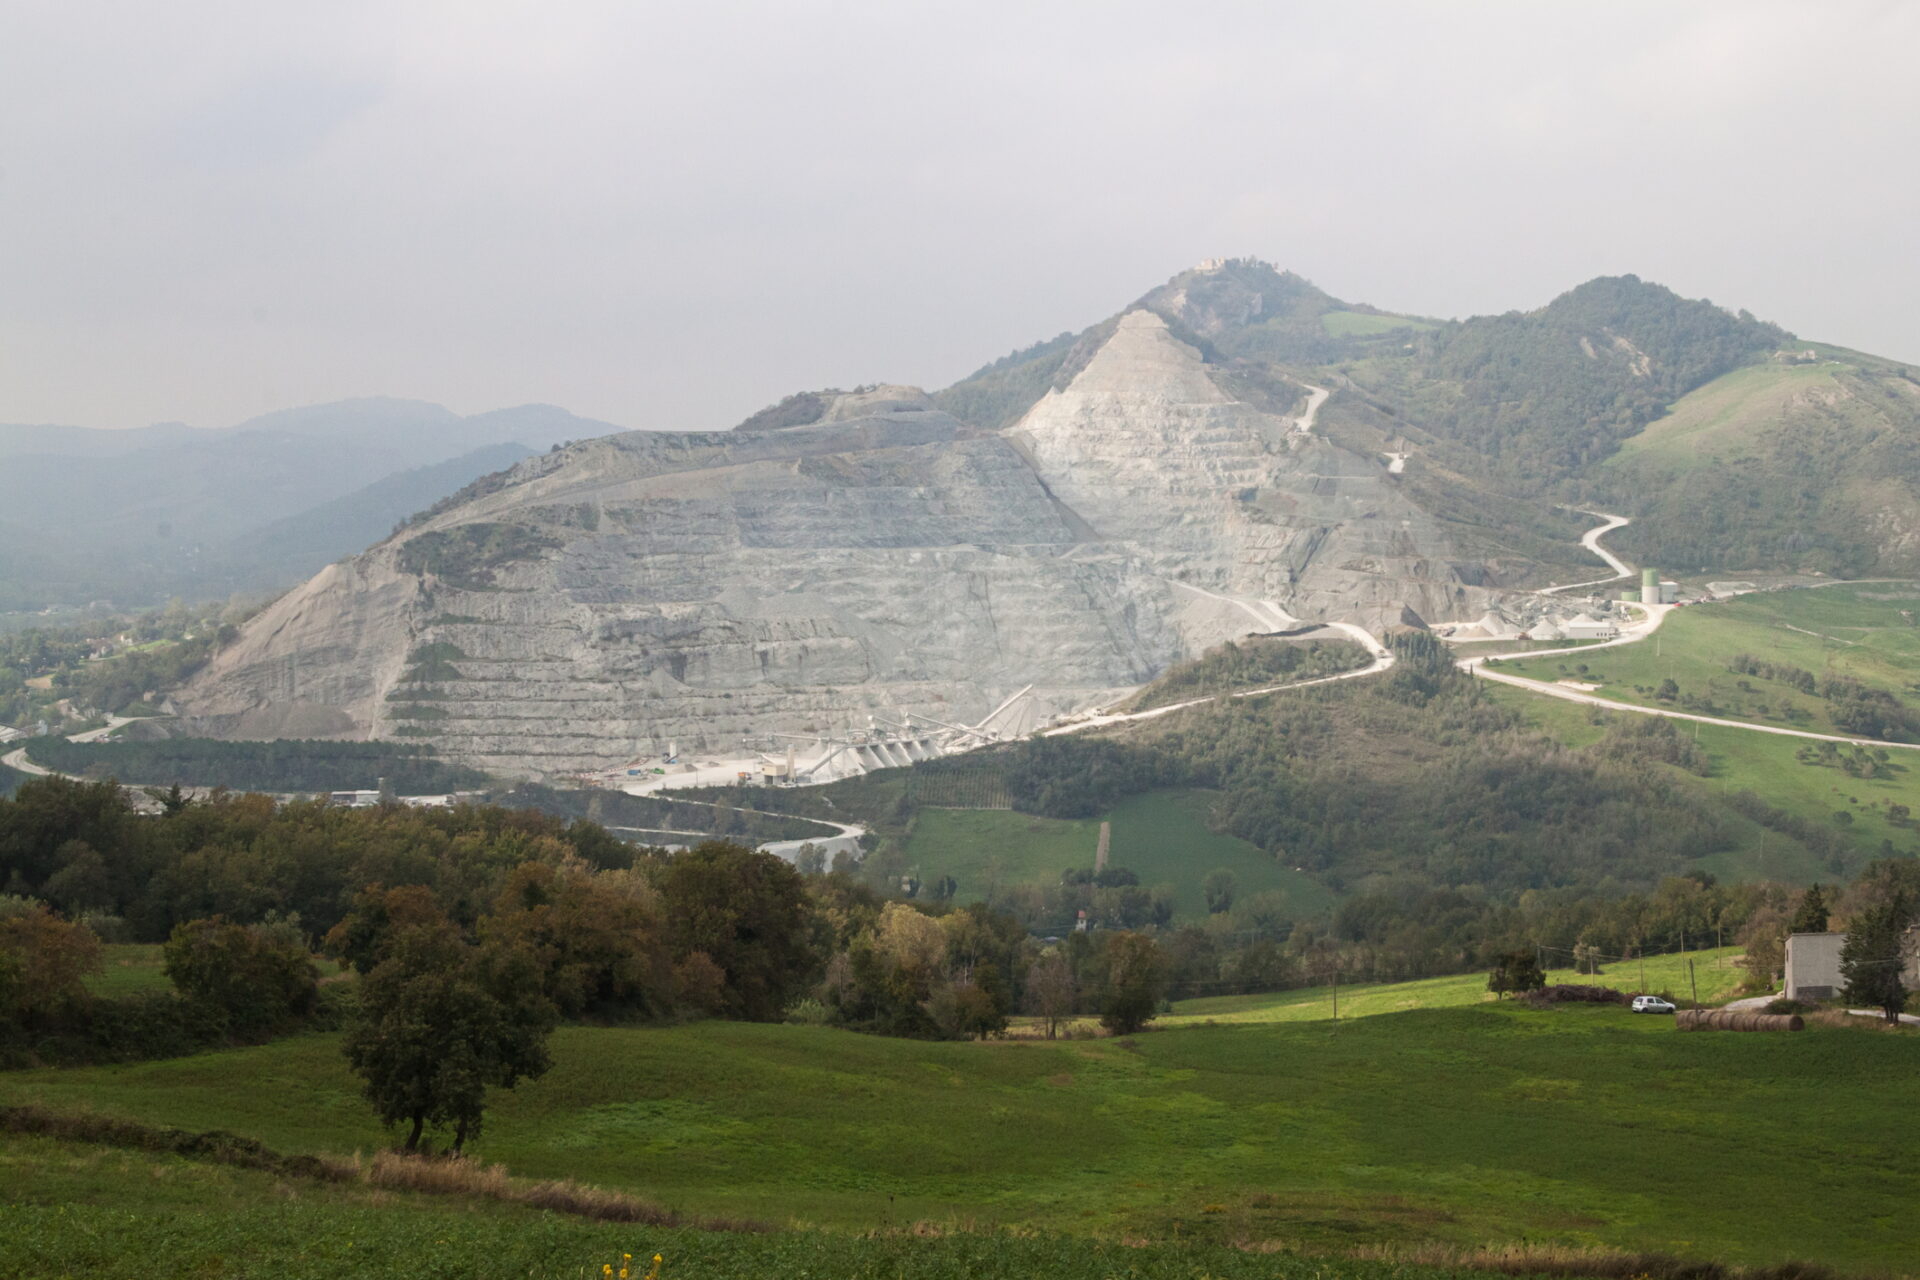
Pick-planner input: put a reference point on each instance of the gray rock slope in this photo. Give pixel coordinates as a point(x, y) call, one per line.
point(652, 587)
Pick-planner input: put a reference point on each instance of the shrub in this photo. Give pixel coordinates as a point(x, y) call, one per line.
point(254, 977)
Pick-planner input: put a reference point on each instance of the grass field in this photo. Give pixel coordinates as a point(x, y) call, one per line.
point(72, 1210)
point(1717, 976)
point(1829, 631)
point(129, 968)
point(1162, 837)
point(1351, 324)
point(1769, 766)
point(1723, 420)
point(1578, 1125)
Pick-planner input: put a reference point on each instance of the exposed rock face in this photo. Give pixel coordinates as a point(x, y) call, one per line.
point(649, 587)
point(1152, 453)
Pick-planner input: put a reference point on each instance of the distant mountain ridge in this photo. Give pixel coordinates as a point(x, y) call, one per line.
point(139, 515)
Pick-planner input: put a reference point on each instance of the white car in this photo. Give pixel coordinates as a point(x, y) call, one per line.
point(1652, 1004)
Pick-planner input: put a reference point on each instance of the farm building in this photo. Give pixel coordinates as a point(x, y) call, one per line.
point(1813, 964)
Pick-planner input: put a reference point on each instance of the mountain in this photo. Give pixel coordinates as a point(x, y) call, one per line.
point(1234, 452)
point(136, 516)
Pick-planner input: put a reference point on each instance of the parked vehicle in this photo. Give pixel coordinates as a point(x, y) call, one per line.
point(1652, 1004)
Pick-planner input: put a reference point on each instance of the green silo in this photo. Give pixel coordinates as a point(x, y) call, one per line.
point(1650, 585)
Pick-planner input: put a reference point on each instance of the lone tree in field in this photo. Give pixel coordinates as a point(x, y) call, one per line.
point(1052, 990)
point(1873, 957)
point(1219, 887)
point(1516, 971)
point(440, 1022)
point(1136, 982)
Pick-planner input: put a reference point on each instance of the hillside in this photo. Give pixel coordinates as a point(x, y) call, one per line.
point(1806, 467)
point(1235, 451)
point(884, 557)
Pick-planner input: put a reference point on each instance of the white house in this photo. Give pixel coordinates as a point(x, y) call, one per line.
point(1813, 964)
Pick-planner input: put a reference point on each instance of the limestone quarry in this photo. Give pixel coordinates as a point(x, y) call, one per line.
point(885, 559)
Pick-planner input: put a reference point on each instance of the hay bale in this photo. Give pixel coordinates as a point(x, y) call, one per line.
point(1736, 1020)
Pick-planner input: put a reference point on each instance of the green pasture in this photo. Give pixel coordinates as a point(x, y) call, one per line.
point(128, 969)
point(1769, 766)
point(1161, 836)
point(1829, 631)
point(1714, 973)
point(71, 1210)
point(1363, 324)
point(1577, 1125)
point(1726, 419)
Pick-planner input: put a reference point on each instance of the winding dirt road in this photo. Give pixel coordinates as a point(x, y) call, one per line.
point(1652, 616)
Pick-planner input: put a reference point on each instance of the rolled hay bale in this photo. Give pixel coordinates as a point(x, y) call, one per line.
point(1736, 1020)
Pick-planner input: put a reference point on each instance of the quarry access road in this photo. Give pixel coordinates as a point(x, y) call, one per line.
point(1591, 541)
point(1382, 660)
point(1316, 396)
point(1574, 695)
point(1655, 614)
point(847, 841)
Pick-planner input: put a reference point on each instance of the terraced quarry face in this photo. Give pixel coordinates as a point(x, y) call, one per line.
point(655, 587)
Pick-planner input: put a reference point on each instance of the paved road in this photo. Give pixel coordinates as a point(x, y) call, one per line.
point(17, 758)
point(848, 841)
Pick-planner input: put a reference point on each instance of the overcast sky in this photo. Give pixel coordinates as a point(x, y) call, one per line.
point(668, 215)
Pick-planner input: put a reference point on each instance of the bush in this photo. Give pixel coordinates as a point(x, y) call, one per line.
point(256, 978)
point(1574, 993)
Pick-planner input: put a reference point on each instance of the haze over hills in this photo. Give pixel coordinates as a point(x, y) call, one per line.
point(1236, 451)
point(139, 515)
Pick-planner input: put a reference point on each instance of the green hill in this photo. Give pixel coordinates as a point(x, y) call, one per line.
point(1843, 660)
point(1575, 1126)
point(1808, 467)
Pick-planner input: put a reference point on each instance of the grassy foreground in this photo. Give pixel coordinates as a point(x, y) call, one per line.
point(73, 1210)
point(1578, 1126)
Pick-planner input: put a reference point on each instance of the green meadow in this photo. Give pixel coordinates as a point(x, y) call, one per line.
point(128, 968)
point(85, 1211)
point(1767, 765)
point(1161, 836)
point(1714, 974)
point(1577, 1126)
point(1722, 421)
point(1857, 630)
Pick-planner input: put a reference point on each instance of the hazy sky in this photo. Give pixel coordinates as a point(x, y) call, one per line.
point(672, 214)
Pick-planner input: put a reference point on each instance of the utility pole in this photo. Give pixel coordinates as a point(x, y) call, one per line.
point(1336, 993)
point(1694, 982)
point(1643, 970)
